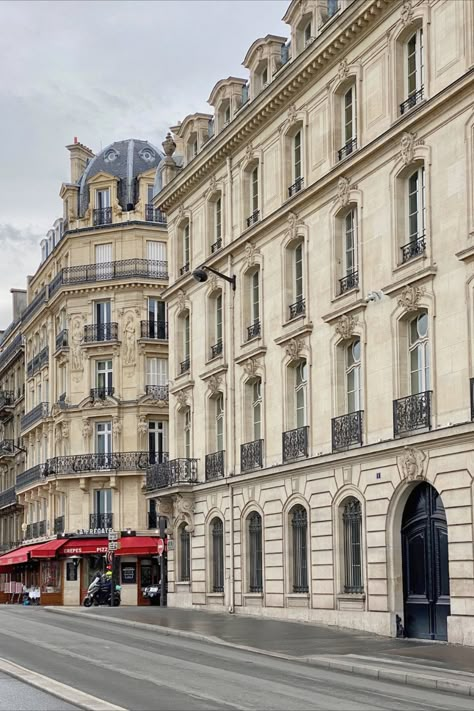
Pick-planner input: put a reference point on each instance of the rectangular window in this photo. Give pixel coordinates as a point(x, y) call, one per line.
point(255, 296)
point(416, 205)
point(186, 350)
point(307, 33)
point(349, 118)
point(297, 156)
point(103, 501)
point(414, 62)
point(257, 409)
point(156, 310)
point(227, 114)
point(218, 219)
point(219, 318)
point(104, 375)
point(219, 404)
point(102, 312)
point(103, 261)
point(186, 244)
point(350, 243)
point(187, 433)
point(150, 191)
point(156, 251)
point(156, 371)
point(102, 199)
point(254, 189)
point(264, 77)
point(298, 272)
point(103, 435)
point(301, 378)
point(157, 440)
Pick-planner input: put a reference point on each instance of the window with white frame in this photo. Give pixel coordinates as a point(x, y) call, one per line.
point(349, 127)
point(256, 387)
point(414, 69)
point(218, 221)
point(103, 378)
point(416, 205)
point(353, 377)
point(103, 444)
point(300, 386)
point(185, 341)
point(102, 199)
point(156, 373)
point(253, 196)
point(187, 432)
point(255, 296)
point(186, 248)
point(219, 417)
point(349, 267)
point(218, 311)
point(156, 325)
point(419, 354)
point(103, 261)
point(297, 156)
point(158, 440)
point(102, 212)
point(297, 305)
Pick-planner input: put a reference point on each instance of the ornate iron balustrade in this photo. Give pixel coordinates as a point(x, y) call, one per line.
point(154, 329)
point(412, 413)
point(42, 527)
point(184, 269)
point(216, 245)
point(171, 473)
point(7, 448)
point(253, 218)
point(297, 309)
point(37, 362)
point(59, 524)
point(13, 349)
point(215, 465)
point(217, 348)
point(7, 497)
point(347, 149)
point(62, 339)
point(103, 271)
point(413, 248)
point(471, 383)
point(39, 299)
point(346, 430)
point(412, 101)
point(251, 455)
point(158, 392)
point(296, 187)
point(101, 393)
point(185, 365)
point(254, 330)
point(81, 463)
point(152, 214)
point(295, 443)
point(35, 528)
point(102, 216)
point(31, 476)
point(350, 281)
point(7, 398)
point(101, 520)
point(96, 332)
point(37, 413)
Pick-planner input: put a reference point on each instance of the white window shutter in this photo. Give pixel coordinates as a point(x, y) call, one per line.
point(156, 251)
point(162, 371)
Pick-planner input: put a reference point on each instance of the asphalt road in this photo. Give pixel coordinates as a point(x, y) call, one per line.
point(144, 670)
point(17, 695)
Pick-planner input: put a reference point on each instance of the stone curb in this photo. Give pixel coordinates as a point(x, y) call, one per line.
point(409, 678)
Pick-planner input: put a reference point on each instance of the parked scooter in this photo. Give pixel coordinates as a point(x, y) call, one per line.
point(98, 594)
point(152, 593)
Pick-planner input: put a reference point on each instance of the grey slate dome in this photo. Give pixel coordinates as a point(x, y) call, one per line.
point(124, 160)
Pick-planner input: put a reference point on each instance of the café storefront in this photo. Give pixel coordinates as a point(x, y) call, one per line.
point(59, 571)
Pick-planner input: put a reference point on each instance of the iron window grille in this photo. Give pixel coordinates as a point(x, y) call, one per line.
point(253, 218)
point(217, 534)
point(346, 430)
point(347, 149)
point(352, 530)
point(97, 332)
point(215, 465)
point(350, 281)
point(255, 553)
point(185, 554)
point(158, 392)
point(62, 339)
point(216, 349)
point(295, 443)
point(185, 365)
point(37, 413)
point(154, 329)
point(184, 269)
point(216, 245)
point(413, 249)
point(101, 520)
point(296, 187)
point(152, 214)
point(299, 527)
point(412, 413)
point(251, 455)
point(97, 394)
point(254, 330)
point(102, 216)
point(412, 101)
point(297, 309)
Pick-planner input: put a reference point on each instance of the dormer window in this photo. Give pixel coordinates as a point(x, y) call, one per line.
point(227, 115)
point(103, 210)
point(192, 147)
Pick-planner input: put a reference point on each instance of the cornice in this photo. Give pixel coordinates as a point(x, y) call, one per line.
point(298, 75)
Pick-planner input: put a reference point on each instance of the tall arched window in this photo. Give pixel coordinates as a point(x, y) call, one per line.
point(414, 71)
point(415, 215)
point(299, 548)
point(217, 562)
point(419, 348)
point(353, 384)
point(185, 553)
point(352, 535)
point(255, 552)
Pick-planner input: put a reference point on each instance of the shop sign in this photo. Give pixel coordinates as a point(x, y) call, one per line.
point(78, 549)
point(94, 531)
point(113, 535)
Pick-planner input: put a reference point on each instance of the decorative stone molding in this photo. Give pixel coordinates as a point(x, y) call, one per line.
point(250, 254)
point(129, 337)
point(184, 510)
point(343, 189)
point(406, 13)
point(65, 430)
point(169, 146)
point(77, 335)
point(345, 325)
point(343, 69)
point(182, 397)
point(214, 384)
point(180, 212)
point(116, 427)
point(212, 184)
point(412, 464)
point(293, 224)
point(249, 152)
point(294, 347)
point(181, 300)
point(408, 144)
point(410, 297)
point(142, 425)
point(213, 283)
point(251, 366)
point(86, 428)
point(292, 114)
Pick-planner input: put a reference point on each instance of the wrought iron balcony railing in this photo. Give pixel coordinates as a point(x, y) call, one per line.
point(62, 339)
point(7, 398)
point(347, 149)
point(185, 365)
point(253, 218)
point(171, 473)
point(59, 524)
point(297, 309)
point(350, 281)
point(413, 249)
point(37, 362)
point(251, 455)
point(184, 269)
point(158, 392)
point(39, 299)
point(412, 413)
point(158, 330)
point(103, 271)
point(97, 332)
point(346, 430)
point(102, 216)
point(216, 245)
point(101, 393)
point(296, 187)
point(35, 415)
point(215, 465)
point(295, 443)
point(101, 520)
point(11, 351)
point(31, 476)
point(7, 497)
point(217, 348)
point(254, 330)
point(82, 463)
point(152, 214)
point(7, 448)
point(415, 98)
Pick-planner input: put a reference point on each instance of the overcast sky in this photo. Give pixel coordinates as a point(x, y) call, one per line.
point(103, 70)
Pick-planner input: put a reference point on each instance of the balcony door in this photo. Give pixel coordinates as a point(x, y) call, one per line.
point(157, 441)
point(104, 377)
point(102, 516)
point(103, 449)
point(103, 317)
point(102, 199)
point(156, 318)
point(103, 261)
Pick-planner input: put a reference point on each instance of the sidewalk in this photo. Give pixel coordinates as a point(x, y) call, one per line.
point(428, 664)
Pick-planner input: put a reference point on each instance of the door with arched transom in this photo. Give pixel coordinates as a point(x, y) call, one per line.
point(425, 565)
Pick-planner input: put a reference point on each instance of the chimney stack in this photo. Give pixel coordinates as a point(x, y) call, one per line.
point(80, 155)
point(18, 302)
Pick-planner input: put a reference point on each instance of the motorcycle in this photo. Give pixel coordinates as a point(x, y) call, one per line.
point(152, 593)
point(101, 595)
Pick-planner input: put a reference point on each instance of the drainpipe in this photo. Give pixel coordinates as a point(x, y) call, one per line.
point(231, 428)
point(231, 609)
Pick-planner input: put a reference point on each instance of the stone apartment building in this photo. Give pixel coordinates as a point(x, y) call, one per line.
point(321, 415)
point(96, 384)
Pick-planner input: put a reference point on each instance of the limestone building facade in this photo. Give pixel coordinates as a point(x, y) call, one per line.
point(321, 416)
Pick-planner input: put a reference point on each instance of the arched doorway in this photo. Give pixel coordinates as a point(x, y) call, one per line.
point(425, 565)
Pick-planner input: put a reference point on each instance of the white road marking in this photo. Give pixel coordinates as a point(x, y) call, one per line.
point(56, 688)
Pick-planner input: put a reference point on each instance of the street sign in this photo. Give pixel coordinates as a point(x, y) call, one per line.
point(170, 544)
point(109, 558)
point(114, 545)
point(160, 546)
point(113, 536)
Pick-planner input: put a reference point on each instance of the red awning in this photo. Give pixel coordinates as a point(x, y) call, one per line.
point(48, 549)
point(81, 546)
point(138, 545)
point(20, 555)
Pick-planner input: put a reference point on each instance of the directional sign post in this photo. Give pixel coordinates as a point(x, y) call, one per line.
point(113, 546)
